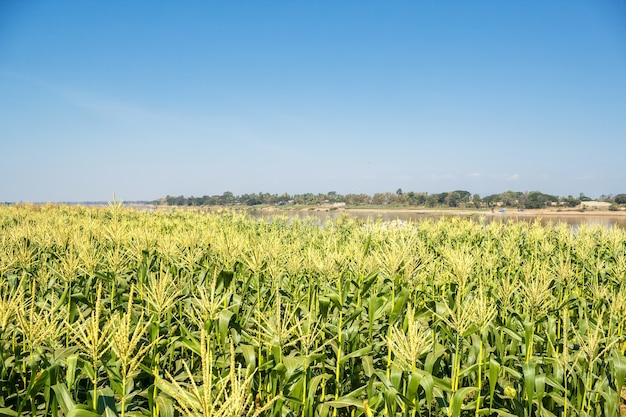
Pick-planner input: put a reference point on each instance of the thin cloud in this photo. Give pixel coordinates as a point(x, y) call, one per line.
point(109, 108)
point(513, 177)
point(92, 102)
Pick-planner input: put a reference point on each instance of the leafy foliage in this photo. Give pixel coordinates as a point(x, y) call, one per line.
point(121, 312)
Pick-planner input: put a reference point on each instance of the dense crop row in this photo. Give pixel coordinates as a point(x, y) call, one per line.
point(118, 312)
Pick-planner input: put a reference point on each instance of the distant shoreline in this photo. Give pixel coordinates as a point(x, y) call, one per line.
point(509, 212)
point(495, 213)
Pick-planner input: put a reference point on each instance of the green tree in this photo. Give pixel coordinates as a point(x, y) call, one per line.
point(491, 200)
point(227, 198)
point(536, 199)
point(458, 198)
point(357, 199)
point(476, 200)
point(620, 199)
point(570, 201)
point(380, 199)
point(399, 199)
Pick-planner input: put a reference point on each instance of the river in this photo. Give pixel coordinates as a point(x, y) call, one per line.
point(574, 220)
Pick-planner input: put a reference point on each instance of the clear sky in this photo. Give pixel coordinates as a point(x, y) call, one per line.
point(155, 98)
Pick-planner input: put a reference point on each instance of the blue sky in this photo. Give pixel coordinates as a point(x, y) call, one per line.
point(148, 99)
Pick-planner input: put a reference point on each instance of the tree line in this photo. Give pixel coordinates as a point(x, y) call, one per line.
point(456, 198)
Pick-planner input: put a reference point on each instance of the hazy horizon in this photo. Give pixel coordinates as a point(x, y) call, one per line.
point(152, 99)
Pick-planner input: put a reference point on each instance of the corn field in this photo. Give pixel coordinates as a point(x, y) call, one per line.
point(117, 312)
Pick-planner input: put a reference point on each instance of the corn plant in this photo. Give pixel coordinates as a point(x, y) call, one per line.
point(113, 311)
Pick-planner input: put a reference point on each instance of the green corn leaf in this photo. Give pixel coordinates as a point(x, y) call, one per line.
point(324, 305)
point(504, 413)
point(70, 373)
point(511, 333)
point(374, 306)
point(395, 377)
point(106, 403)
point(428, 383)
point(79, 412)
point(336, 300)
point(494, 374)
point(88, 369)
point(316, 381)
point(619, 366)
point(540, 386)
point(224, 320)
point(190, 343)
point(546, 413)
point(346, 402)
point(529, 382)
point(399, 305)
point(414, 382)
point(368, 365)
point(224, 279)
point(432, 358)
point(356, 354)
point(64, 399)
point(37, 382)
point(552, 381)
point(458, 399)
point(249, 355)
point(165, 406)
point(367, 282)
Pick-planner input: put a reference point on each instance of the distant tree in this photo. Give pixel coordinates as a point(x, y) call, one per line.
point(227, 198)
point(476, 200)
point(398, 199)
point(421, 199)
point(310, 198)
point(605, 197)
point(279, 199)
point(491, 200)
point(357, 199)
point(457, 198)
point(453, 199)
point(334, 197)
point(570, 201)
point(511, 198)
point(620, 199)
point(441, 198)
point(249, 200)
point(434, 200)
point(380, 199)
point(536, 199)
point(176, 201)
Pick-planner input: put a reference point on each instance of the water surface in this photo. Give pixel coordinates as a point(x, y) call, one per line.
point(573, 220)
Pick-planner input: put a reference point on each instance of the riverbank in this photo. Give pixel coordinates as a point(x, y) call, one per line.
point(548, 212)
point(509, 212)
